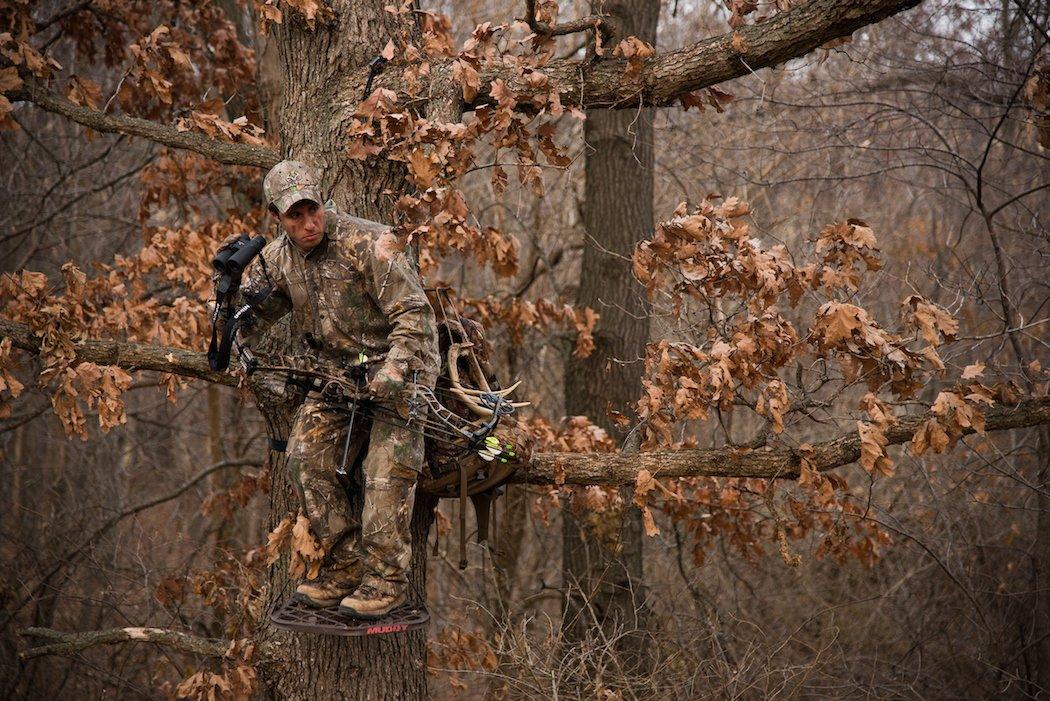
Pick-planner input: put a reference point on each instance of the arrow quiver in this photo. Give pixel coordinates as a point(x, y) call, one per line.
point(478, 474)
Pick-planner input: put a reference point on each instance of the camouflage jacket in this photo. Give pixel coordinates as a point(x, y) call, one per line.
point(345, 300)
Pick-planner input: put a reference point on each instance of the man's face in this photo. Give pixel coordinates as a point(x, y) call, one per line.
point(304, 224)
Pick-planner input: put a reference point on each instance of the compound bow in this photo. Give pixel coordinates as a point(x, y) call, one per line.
point(427, 414)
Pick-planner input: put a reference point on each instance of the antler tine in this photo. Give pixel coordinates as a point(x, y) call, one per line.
point(496, 392)
point(482, 380)
point(471, 403)
point(453, 363)
point(504, 392)
point(469, 396)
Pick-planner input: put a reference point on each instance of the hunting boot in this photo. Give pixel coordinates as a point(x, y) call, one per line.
point(374, 599)
point(330, 587)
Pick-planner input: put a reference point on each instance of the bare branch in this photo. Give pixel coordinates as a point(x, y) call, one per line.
point(73, 555)
point(221, 151)
point(63, 14)
point(67, 643)
point(611, 469)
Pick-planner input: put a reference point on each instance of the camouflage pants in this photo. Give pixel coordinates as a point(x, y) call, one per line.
point(379, 540)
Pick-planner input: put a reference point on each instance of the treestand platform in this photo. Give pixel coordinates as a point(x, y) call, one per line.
point(297, 616)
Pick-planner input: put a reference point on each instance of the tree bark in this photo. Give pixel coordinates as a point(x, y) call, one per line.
point(315, 114)
point(66, 643)
point(604, 581)
point(766, 463)
point(1041, 623)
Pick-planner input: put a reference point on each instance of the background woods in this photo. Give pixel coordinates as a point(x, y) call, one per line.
point(738, 251)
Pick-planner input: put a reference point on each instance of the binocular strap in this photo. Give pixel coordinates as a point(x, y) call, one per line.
point(219, 353)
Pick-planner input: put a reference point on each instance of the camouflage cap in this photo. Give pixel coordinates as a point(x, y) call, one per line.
point(289, 182)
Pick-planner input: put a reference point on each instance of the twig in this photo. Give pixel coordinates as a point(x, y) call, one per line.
point(597, 22)
point(59, 16)
point(74, 554)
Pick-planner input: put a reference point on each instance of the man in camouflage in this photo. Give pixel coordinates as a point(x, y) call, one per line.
point(351, 302)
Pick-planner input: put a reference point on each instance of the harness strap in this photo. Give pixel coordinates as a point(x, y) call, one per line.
point(219, 359)
point(483, 508)
point(462, 517)
point(219, 353)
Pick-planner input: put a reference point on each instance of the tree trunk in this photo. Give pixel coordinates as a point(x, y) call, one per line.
point(1041, 623)
point(308, 667)
point(314, 119)
point(604, 585)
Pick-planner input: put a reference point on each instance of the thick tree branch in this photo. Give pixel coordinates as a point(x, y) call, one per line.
point(130, 356)
point(67, 643)
point(580, 468)
point(221, 151)
point(670, 75)
point(611, 469)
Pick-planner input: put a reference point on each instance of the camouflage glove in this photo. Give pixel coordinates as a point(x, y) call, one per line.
point(229, 241)
point(388, 383)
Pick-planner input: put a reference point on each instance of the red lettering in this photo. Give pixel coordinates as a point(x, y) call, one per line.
point(394, 628)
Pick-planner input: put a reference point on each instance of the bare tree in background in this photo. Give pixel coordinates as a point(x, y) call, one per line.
point(603, 576)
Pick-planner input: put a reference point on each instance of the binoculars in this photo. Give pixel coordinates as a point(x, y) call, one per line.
point(229, 262)
point(233, 259)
